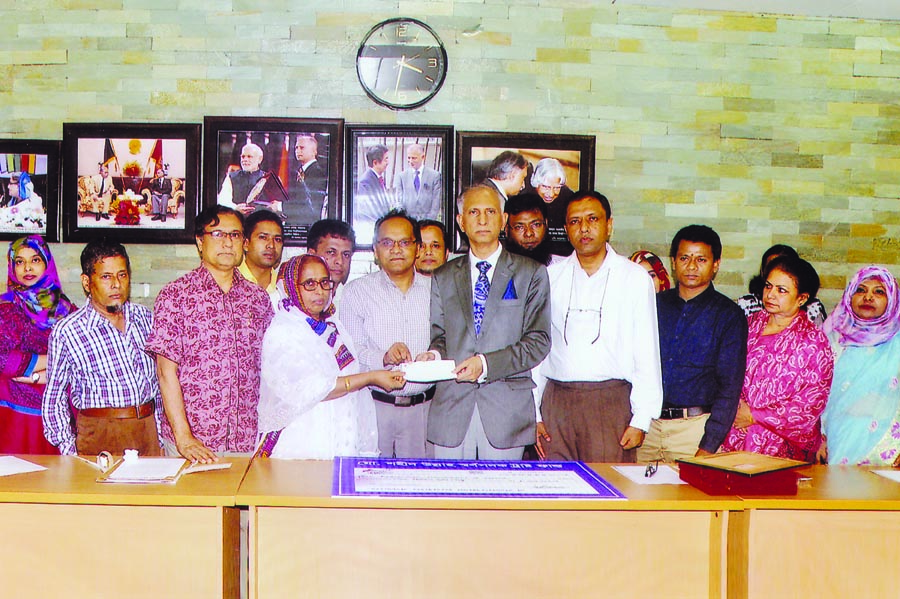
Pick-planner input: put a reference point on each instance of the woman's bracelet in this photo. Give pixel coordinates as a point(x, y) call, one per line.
point(347, 383)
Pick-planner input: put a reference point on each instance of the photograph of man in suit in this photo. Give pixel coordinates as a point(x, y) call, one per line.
point(101, 189)
point(420, 189)
point(309, 192)
point(507, 173)
point(372, 200)
point(490, 313)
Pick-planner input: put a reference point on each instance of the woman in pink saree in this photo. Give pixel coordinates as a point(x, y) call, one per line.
point(789, 369)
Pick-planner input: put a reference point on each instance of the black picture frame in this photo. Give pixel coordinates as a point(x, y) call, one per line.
point(127, 215)
point(300, 201)
point(575, 153)
point(37, 214)
point(366, 201)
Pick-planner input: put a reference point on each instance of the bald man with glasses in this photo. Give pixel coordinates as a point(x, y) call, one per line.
point(388, 316)
point(600, 386)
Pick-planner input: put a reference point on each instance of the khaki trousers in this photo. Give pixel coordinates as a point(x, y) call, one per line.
point(670, 440)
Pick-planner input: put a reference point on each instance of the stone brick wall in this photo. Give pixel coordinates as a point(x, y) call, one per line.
point(771, 129)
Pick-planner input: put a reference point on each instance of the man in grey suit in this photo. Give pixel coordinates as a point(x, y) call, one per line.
point(372, 200)
point(420, 188)
point(490, 313)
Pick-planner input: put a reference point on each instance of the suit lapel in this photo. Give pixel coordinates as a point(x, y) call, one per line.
point(464, 292)
point(499, 281)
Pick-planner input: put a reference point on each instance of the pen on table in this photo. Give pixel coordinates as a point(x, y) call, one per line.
point(652, 467)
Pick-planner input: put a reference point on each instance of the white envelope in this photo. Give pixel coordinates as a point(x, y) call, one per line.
point(429, 371)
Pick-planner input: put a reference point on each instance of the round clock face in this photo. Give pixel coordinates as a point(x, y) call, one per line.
point(401, 63)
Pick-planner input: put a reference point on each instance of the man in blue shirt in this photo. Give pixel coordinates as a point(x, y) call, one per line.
point(703, 350)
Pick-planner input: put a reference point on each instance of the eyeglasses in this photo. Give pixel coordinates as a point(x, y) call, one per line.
point(311, 284)
point(556, 188)
point(389, 244)
point(583, 315)
point(220, 235)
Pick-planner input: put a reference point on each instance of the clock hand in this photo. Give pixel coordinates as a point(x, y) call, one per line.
point(410, 67)
point(400, 63)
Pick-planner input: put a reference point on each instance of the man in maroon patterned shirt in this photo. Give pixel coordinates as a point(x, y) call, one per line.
point(208, 327)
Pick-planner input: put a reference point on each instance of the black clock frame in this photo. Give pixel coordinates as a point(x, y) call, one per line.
point(374, 94)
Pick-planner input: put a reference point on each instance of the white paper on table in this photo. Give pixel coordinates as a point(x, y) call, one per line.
point(147, 470)
point(429, 371)
point(12, 465)
point(665, 475)
point(893, 475)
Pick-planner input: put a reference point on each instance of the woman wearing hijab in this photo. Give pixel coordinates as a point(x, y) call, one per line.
point(32, 304)
point(314, 402)
point(654, 267)
point(861, 422)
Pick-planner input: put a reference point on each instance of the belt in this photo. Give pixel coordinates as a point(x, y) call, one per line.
point(675, 413)
point(414, 400)
point(141, 411)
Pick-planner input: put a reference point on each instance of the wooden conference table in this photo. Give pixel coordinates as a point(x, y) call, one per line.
point(65, 535)
point(664, 541)
point(838, 537)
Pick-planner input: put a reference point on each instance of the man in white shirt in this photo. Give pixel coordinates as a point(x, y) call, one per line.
point(601, 385)
point(387, 314)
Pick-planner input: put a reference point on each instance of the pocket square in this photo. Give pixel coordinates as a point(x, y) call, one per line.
point(510, 293)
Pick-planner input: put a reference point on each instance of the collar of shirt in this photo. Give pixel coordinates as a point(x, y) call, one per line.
point(248, 274)
point(305, 166)
point(588, 289)
point(492, 259)
point(95, 318)
point(571, 261)
point(703, 298)
point(208, 280)
point(385, 281)
point(499, 189)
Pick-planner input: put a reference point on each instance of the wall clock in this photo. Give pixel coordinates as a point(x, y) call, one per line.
point(401, 63)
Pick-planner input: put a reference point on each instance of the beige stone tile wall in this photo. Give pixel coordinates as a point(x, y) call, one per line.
point(771, 129)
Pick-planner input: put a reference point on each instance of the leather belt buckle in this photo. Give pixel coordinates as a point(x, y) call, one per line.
point(414, 400)
point(681, 413)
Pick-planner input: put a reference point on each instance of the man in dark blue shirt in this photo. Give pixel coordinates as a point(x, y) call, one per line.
point(703, 350)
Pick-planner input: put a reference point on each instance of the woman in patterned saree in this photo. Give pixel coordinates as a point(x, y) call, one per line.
point(861, 422)
point(32, 304)
point(313, 400)
point(789, 369)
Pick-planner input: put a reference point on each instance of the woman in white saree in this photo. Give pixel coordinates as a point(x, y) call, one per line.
point(314, 402)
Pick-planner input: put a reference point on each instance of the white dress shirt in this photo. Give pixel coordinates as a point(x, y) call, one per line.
point(611, 331)
point(475, 273)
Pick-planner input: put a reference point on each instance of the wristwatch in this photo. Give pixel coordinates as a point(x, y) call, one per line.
point(35, 377)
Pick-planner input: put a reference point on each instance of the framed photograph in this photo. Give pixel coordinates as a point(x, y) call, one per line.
point(556, 167)
point(289, 166)
point(135, 183)
point(29, 188)
point(396, 166)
